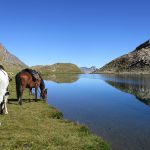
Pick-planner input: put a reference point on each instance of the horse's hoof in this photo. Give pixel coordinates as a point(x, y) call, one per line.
point(20, 103)
point(6, 113)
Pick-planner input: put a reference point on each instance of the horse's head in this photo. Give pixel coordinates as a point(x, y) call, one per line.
point(44, 94)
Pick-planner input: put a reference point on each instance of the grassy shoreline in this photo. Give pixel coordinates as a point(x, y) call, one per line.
point(38, 126)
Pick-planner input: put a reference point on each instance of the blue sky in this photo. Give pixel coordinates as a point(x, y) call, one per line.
point(84, 32)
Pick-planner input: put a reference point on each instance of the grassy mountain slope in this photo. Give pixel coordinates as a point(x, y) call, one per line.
point(57, 68)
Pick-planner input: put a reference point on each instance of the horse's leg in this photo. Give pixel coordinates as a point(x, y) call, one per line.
point(30, 93)
point(36, 89)
point(5, 105)
point(20, 97)
point(5, 102)
point(19, 89)
point(20, 100)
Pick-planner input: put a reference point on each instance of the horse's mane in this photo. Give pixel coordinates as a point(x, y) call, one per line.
point(27, 70)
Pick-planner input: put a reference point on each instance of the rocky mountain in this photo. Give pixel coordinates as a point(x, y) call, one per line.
point(10, 61)
point(57, 68)
point(88, 70)
point(137, 61)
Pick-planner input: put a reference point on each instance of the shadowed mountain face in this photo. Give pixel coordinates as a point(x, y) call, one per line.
point(138, 85)
point(9, 61)
point(138, 61)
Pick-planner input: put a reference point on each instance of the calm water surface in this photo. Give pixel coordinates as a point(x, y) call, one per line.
point(115, 107)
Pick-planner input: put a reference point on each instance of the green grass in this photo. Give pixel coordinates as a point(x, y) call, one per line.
point(38, 126)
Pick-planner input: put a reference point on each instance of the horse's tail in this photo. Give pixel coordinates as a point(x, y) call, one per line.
point(18, 86)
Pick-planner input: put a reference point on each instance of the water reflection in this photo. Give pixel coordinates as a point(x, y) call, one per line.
point(62, 78)
point(137, 85)
point(116, 116)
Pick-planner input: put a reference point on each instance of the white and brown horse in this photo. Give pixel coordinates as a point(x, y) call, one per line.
point(4, 82)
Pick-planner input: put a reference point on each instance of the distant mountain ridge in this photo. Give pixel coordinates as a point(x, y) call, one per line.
point(57, 68)
point(88, 70)
point(137, 61)
point(13, 64)
point(10, 61)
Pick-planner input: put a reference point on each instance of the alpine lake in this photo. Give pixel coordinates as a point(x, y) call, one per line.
point(115, 107)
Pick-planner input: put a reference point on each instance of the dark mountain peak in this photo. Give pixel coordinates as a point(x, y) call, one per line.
point(144, 45)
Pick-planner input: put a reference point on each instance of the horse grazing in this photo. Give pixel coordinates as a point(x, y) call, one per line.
point(26, 79)
point(4, 82)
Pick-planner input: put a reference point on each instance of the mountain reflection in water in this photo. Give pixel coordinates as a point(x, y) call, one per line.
point(62, 78)
point(98, 101)
point(137, 85)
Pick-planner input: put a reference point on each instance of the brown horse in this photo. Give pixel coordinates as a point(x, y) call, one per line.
point(25, 79)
